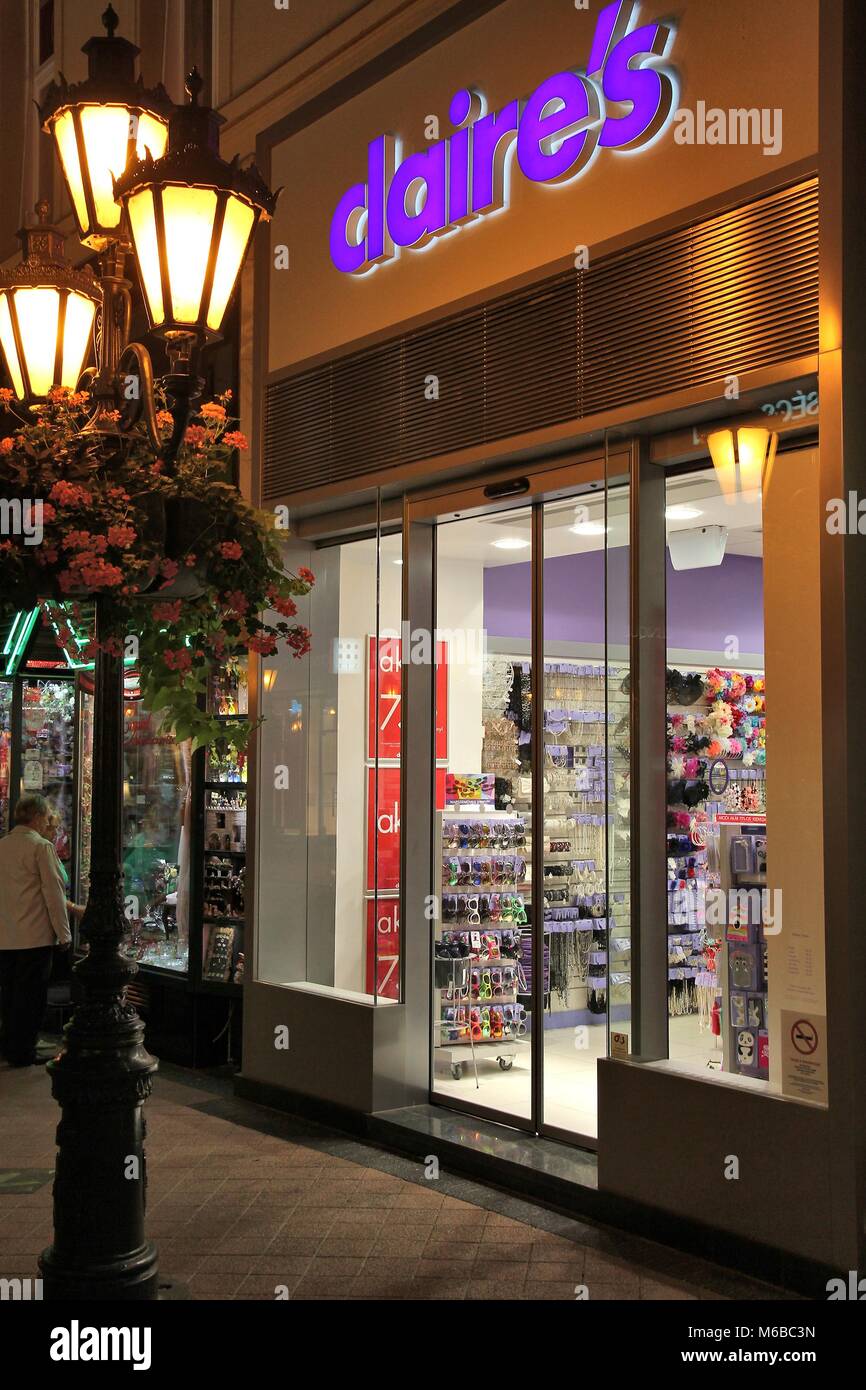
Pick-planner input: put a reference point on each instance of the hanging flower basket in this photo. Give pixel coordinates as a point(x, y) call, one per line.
point(181, 561)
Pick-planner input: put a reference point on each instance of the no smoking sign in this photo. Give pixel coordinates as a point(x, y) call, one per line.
point(804, 1036)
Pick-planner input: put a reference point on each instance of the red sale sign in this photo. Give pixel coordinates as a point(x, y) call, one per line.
point(383, 830)
point(383, 947)
point(383, 826)
point(384, 700)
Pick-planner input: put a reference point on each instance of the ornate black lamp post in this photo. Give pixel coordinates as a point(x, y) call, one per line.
point(147, 175)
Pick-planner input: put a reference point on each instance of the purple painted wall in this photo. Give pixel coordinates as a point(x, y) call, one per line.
point(705, 606)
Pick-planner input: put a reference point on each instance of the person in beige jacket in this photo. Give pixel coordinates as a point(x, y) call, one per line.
point(33, 920)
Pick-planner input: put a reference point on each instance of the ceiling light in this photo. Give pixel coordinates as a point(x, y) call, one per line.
point(511, 543)
point(588, 528)
point(680, 511)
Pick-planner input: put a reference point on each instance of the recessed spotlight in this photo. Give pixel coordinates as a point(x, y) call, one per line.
point(511, 543)
point(680, 511)
point(588, 528)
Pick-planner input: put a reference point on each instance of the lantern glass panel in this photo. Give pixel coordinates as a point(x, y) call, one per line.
point(106, 141)
point(151, 134)
point(189, 216)
point(67, 148)
point(76, 336)
point(10, 351)
point(143, 224)
point(37, 312)
point(237, 225)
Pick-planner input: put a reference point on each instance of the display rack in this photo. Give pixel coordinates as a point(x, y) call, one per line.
point(224, 849)
point(716, 797)
point(586, 931)
point(478, 931)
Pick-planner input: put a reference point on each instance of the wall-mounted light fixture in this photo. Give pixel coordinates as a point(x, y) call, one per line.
point(742, 458)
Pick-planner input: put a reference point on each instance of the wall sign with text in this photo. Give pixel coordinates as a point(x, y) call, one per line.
point(622, 101)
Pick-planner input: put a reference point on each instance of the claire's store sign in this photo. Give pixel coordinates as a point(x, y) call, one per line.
point(622, 101)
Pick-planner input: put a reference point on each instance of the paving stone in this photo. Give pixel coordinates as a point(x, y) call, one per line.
point(243, 1201)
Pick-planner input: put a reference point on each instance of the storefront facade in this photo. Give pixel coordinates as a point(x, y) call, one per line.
point(550, 831)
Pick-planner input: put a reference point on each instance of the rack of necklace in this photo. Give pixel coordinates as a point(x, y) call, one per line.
point(589, 946)
point(478, 932)
point(687, 861)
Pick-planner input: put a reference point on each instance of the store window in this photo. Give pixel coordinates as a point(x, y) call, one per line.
point(224, 832)
point(156, 839)
point(47, 758)
point(328, 840)
point(745, 917)
point(5, 753)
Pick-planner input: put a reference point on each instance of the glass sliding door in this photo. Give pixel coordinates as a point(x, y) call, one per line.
point(529, 777)
point(483, 965)
point(585, 872)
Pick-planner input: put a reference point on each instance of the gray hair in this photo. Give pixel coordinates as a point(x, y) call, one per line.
point(29, 808)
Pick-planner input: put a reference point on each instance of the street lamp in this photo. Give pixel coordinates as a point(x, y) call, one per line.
point(47, 308)
point(146, 176)
point(191, 217)
point(93, 124)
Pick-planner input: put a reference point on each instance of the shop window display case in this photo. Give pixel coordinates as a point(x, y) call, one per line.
point(184, 878)
point(5, 753)
point(224, 847)
point(183, 846)
point(156, 842)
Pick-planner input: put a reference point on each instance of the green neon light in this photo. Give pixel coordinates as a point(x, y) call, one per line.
point(21, 640)
point(11, 638)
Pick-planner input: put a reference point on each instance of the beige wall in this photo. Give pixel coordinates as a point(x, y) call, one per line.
point(256, 38)
point(795, 816)
point(720, 54)
point(13, 98)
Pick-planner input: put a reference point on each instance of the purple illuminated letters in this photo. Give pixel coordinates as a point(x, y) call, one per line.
point(621, 102)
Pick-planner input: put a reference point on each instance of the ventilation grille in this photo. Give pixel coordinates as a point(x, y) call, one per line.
point(736, 292)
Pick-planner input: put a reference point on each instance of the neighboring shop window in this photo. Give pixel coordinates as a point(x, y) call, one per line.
point(225, 839)
point(156, 840)
point(745, 929)
point(328, 833)
point(5, 752)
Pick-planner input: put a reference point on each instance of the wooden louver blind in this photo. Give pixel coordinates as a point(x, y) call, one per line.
point(733, 293)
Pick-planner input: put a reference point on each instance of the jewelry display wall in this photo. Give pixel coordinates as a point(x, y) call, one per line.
point(587, 945)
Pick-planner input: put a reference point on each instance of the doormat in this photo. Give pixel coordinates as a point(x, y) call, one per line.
point(17, 1182)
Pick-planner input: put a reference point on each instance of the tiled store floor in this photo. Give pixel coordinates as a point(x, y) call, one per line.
point(243, 1200)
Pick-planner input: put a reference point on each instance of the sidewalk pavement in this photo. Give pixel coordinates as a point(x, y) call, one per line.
point(244, 1201)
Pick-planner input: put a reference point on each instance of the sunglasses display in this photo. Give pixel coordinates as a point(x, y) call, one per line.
point(478, 946)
